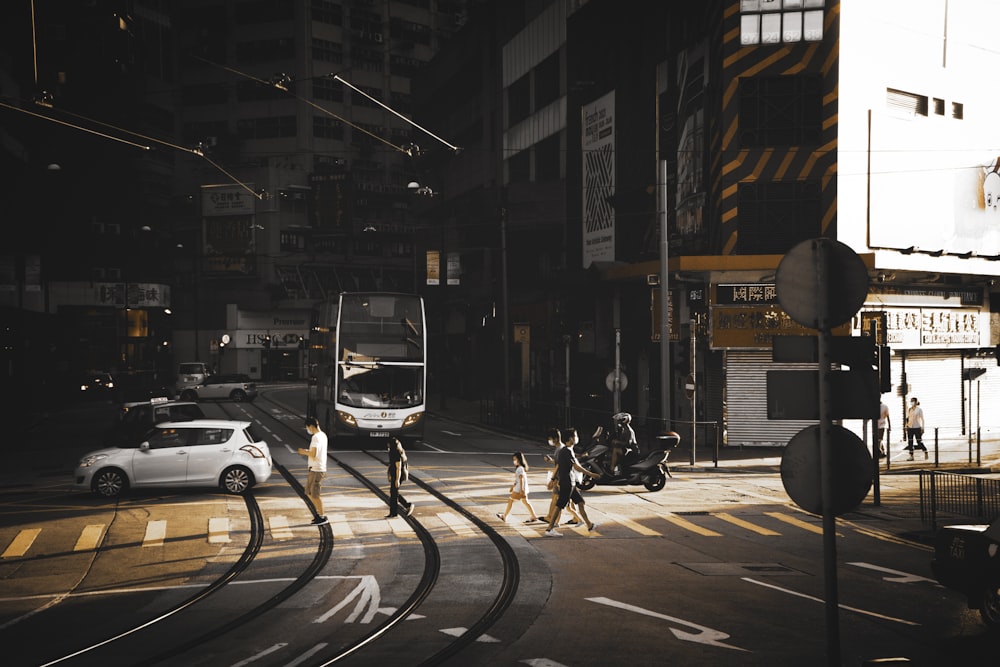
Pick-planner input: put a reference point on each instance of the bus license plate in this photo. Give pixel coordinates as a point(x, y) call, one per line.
point(379, 434)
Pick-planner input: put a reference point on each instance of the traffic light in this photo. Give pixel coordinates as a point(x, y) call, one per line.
point(882, 364)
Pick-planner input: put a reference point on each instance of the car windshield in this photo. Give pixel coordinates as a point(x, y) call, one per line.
point(191, 369)
point(380, 386)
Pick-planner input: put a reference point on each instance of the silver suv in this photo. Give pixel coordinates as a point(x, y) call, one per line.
point(201, 452)
point(235, 387)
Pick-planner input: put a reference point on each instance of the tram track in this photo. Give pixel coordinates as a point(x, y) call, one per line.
point(138, 645)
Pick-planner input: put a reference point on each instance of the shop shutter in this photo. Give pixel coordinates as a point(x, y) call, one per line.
point(746, 401)
point(935, 379)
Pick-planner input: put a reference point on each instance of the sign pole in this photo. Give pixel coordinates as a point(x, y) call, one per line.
point(827, 459)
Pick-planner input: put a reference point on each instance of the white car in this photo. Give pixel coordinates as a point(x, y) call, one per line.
point(201, 452)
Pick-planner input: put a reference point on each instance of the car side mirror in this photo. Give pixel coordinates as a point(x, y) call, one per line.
point(145, 445)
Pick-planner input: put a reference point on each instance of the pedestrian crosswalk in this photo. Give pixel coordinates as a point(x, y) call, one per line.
point(281, 527)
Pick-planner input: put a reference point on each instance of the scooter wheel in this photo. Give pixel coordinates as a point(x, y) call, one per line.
point(656, 481)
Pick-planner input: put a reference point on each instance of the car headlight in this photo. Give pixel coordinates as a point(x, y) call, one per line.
point(88, 461)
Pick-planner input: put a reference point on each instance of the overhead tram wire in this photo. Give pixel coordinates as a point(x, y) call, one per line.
point(281, 84)
point(193, 151)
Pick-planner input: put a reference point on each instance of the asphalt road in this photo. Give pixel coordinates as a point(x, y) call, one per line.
point(718, 568)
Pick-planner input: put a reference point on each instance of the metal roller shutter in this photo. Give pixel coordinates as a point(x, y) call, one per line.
point(985, 396)
point(746, 401)
point(935, 379)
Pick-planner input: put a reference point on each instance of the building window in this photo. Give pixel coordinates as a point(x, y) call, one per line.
point(780, 111)
point(264, 11)
point(325, 127)
point(328, 89)
point(326, 11)
point(266, 128)
point(205, 93)
point(251, 91)
point(263, 50)
point(548, 161)
point(780, 21)
point(776, 216)
point(957, 110)
point(519, 167)
point(906, 104)
point(547, 81)
point(519, 100)
point(327, 51)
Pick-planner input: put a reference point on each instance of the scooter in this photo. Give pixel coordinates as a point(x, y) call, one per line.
point(650, 470)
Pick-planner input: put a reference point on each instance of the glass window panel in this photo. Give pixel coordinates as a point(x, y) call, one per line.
point(770, 29)
point(750, 29)
point(749, 5)
point(812, 26)
point(811, 4)
point(792, 28)
point(770, 5)
point(793, 4)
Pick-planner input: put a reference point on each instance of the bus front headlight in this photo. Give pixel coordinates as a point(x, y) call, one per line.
point(413, 419)
point(347, 418)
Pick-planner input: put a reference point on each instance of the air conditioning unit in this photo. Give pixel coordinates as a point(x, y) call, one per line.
point(377, 36)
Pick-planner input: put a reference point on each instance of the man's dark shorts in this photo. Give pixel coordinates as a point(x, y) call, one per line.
point(568, 492)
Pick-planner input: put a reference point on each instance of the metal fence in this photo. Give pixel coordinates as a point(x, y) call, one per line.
point(969, 496)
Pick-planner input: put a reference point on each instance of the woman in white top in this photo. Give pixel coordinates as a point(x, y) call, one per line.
point(915, 428)
point(519, 489)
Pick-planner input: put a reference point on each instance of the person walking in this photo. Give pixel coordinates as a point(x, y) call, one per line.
point(551, 481)
point(883, 428)
point(519, 490)
point(566, 463)
point(316, 462)
point(915, 428)
point(398, 473)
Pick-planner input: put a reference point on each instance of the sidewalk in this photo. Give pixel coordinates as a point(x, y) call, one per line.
point(951, 454)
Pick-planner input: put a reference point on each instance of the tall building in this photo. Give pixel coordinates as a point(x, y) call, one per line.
point(698, 143)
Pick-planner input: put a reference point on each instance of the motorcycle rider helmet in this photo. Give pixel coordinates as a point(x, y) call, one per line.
point(622, 417)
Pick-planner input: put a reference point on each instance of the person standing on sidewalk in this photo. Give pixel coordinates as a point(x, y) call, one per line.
point(519, 490)
point(915, 428)
point(398, 474)
point(883, 428)
point(316, 455)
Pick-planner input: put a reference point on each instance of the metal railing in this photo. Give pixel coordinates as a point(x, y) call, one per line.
point(969, 496)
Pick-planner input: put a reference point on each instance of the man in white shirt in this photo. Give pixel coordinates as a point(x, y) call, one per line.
point(317, 469)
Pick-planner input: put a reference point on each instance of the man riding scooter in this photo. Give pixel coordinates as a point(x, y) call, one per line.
point(623, 441)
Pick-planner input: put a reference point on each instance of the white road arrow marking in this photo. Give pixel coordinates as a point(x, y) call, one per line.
point(458, 632)
point(900, 578)
point(457, 435)
point(368, 594)
point(389, 611)
point(704, 635)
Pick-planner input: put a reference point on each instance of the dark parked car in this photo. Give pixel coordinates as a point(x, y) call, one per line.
point(233, 387)
point(967, 559)
point(136, 419)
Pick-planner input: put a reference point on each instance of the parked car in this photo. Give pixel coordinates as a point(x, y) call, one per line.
point(137, 418)
point(201, 452)
point(967, 559)
point(234, 387)
point(190, 374)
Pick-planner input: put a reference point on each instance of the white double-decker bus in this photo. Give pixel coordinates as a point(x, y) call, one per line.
point(368, 358)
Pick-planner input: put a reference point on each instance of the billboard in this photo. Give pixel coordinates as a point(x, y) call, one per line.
point(228, 229)
point(598, 123)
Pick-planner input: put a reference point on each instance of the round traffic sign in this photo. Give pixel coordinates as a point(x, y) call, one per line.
point(797, 282)
point(609, 381)
point(801, 470)
point(689, 386)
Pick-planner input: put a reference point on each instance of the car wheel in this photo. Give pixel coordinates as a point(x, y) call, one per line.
point(189, 395)
point(989, 608)
point(109, 483)
point(236, 480)
point(238, 395)
point(656, 481)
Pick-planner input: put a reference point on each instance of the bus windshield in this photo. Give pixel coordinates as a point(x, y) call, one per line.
point(375, 386)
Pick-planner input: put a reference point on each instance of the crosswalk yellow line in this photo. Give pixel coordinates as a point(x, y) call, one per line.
point(218, 530)
point(341, 528)
point(278, 525)
point(22, 542)
point(89, 538)
point(693, 527)
point(457, 524)
point(798, 523)
point(156, 533)
point(634, 526)
point(736, 521)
